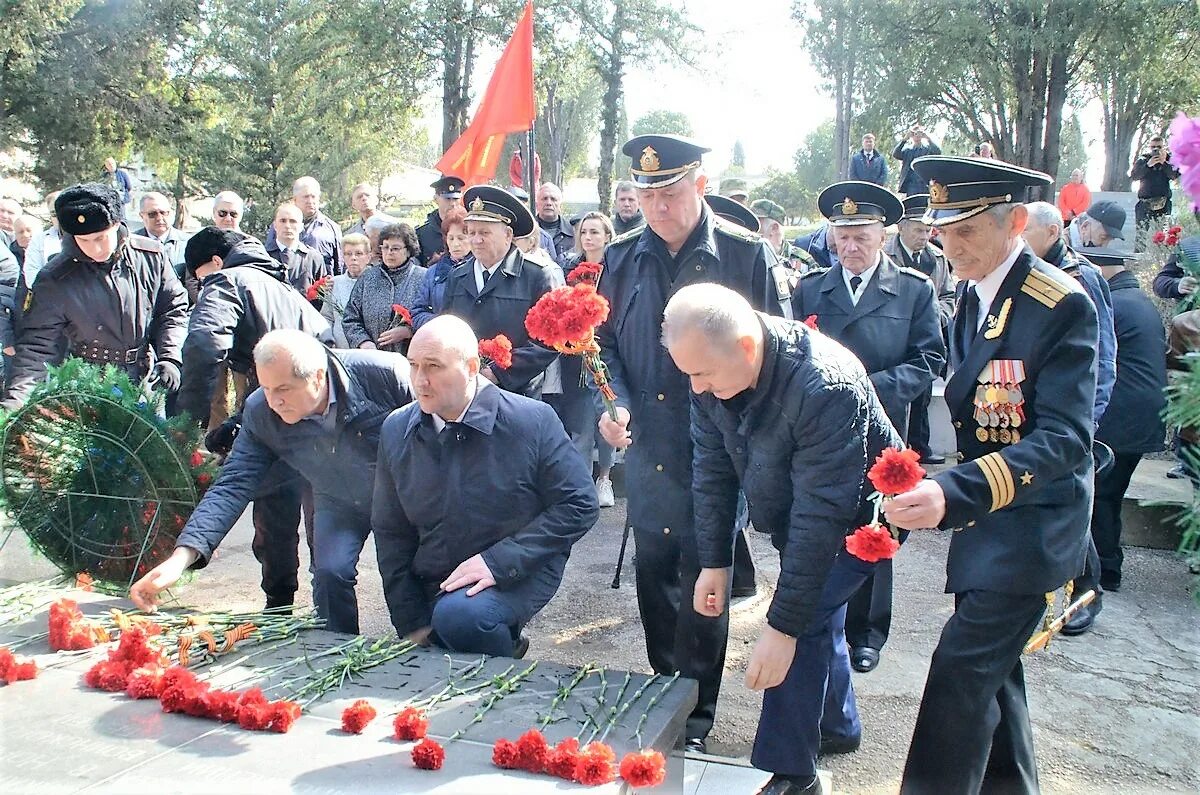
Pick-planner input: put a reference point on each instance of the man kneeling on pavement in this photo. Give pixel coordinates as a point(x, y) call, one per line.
point(792, 417)
point(479, 496)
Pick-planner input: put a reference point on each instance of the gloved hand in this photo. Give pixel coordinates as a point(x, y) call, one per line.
point(219, 440)
point(167, 376)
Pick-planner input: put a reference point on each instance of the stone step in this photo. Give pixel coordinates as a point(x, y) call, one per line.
point(707, 774)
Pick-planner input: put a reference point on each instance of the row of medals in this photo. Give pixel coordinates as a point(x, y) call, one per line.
point(999, 410)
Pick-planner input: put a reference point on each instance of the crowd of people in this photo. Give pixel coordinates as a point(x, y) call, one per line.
point(757, 381)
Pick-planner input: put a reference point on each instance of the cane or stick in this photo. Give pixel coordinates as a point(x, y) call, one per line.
point(1042, 639)
point(616, 582)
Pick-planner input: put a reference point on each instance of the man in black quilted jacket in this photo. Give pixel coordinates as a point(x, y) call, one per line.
point(791, 417)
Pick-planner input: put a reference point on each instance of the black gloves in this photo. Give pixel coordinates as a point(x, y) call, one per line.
point(167, 376)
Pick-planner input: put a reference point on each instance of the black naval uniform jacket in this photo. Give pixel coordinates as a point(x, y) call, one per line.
point(238, 305)
point(1021, 509)
point(500, 308)
point(639, 278)
point(894, 329)
point(429, 236)
point(130, 311)
point(800, 448)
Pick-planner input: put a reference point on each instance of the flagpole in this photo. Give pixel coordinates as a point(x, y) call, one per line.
point(530, 162)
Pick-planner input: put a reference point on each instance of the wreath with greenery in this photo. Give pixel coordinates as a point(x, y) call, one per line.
point(98, 479)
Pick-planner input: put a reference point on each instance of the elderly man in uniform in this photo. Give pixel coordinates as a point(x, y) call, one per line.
point(317, 230)
point(468, 573)
point(1022, 351)
point(682, 243)
point(447, 192)
point(791, 418)
point(111, 297)
point(320, 413)
point(887, 316)
point(494, 290)
point(910, 248)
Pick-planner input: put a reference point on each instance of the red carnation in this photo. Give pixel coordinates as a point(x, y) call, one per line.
point(896, 471)
point(811, 322)
point(69, 630)
point(21, 671)
point(1176, 230)
point(532, 751)
point(401, 316)
point(178, 676)
point(497, 351)
point(109, 675)
point(145, 682)
point(254, 717)
point(410, 724)
point(644, 768)
point(222, 705)
point(562, 759)
point(356, 716)
point(595, 765)
point(428, 755)
point(281, 715)
point(252, 696)
point(7, 660)
point(567, 315)
point(204, 479)
point(1160, 237)
point(311, 292)
point(585, 273)
point(197, 458)
point(505, 754)
point(872, 543)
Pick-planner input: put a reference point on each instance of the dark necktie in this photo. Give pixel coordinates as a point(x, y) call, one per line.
point(487, 274)
point(855, 281)
point(969, 309)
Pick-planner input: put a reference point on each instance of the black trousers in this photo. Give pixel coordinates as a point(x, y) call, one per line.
point(276, 544)
point(743, 563)
point(918, 422)
point(1144, 219)
point(677, 637)
point(972, 733)
point(1111, 485)
point(869, 611)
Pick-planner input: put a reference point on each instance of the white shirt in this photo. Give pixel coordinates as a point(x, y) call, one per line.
point(440, 424)
point(866, 277)
point(987, 287)
point(479, 269)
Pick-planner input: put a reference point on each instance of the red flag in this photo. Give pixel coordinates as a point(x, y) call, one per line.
point(507, 107)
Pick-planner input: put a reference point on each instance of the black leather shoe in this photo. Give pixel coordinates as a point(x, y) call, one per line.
point(1082, 621)
point(839, 745)
point(695, 745)
point(933, 458)
point(521, 648)
point(280, 605)
point(1110, 582)
point(864, 659)
point(743, 591)
point(790, 785)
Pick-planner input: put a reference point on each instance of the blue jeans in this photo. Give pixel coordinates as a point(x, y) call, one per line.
point(339, 532)
point(490, 622)
point(816, 697)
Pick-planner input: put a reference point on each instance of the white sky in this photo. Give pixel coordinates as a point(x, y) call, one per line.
point(754, 82)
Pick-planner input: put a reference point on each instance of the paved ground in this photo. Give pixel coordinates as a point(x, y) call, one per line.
point(1114, 711)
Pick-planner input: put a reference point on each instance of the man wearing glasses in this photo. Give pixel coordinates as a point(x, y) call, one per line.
point(227, 211)
point(157, 217)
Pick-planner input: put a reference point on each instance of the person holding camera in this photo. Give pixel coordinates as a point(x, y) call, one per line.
point(915, 143)
point(1153, 172)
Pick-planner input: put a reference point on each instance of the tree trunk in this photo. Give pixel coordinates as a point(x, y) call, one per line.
point(613, 76)
point(1056, 100)
point(459, 42)
point(843, 92)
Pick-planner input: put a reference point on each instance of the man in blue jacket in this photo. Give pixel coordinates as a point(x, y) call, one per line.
point(868, 164)
point(479, 496)
point(320, 413)
point(790, 416)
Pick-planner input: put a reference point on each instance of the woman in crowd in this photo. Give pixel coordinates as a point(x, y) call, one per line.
point(373, 227)
point(578, 411)
point(369, 321)
point(458, 251)
point(356, 253)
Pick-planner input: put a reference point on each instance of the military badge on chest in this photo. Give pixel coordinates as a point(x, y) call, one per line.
point(999, 402)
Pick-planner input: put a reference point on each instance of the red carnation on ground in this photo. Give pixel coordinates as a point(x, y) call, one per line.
point(145, 682)
point(252, 696)
point(84, 582)
point(562, 759)
point(109, 675)
point(12, 670)
point(505, 754)
point(410, 724)
point(69, 630)
point(532, 751)
point(585, 273)
point(254, 717)
point(428, 755)
point(811, 322)
point(401, 316)
point(356, 716)
point(645, 768)
point(595, 765)
point(221, 705)
point(872, 544)
point(896, 471)
point(496, 352)
point(281, 715)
